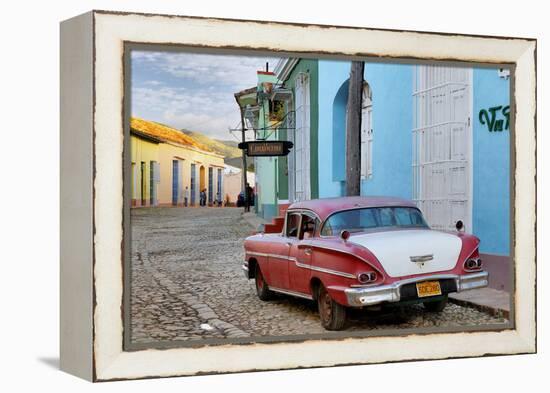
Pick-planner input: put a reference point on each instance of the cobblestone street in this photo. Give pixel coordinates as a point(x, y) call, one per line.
point(187, 284)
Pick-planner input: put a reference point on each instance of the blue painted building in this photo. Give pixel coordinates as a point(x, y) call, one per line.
point(435, 134)
point(390, 86)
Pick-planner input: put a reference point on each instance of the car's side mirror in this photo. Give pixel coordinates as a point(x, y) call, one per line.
point(459, 226)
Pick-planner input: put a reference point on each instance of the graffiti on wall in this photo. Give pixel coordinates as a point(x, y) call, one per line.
point(497, 118)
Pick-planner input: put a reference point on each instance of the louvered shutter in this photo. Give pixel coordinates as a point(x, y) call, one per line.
point(441, 145)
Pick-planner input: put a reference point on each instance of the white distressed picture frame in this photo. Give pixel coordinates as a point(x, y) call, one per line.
point(92, 219)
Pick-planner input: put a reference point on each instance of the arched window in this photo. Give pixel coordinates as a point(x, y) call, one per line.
point(366, 132)
point(339, 113)
point(339, 133)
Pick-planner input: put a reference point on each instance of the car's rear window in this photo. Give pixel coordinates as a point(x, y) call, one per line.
point(359, 220)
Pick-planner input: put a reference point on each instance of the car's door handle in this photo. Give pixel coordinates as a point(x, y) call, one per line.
point(307, 251)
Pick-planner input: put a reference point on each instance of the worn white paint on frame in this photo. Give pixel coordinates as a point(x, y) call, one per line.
point(111, 30)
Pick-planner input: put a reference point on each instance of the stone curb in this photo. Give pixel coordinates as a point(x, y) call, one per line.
point(255, 222)
point(493, 311)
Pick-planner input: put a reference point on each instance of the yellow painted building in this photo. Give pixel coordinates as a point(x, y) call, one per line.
point(168, 165)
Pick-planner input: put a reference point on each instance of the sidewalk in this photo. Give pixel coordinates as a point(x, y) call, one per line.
point(492, 301)
point(254, 221)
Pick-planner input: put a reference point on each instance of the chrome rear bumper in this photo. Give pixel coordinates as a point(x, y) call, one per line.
point(367, 296)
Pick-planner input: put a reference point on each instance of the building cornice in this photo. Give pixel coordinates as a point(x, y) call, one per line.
point(284, 67)
point(193, 149)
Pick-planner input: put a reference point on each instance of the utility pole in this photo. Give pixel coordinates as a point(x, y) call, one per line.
point(353, 129)
point(244, 177)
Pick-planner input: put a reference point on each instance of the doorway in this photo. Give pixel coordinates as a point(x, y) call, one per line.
point(175, 182)
point(210, 185)
point(202, 178)
point(442, 151)
point(193, 190)
point(153, 181)
point(143, 184)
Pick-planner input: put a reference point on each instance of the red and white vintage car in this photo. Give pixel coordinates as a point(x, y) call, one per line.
point(360, 252)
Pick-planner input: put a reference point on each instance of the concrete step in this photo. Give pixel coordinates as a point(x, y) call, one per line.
point(270, 228)
point(283, 208)
point(261, 225)
point(276, 225)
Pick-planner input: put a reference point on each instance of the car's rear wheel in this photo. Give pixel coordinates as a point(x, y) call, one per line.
point(437, 305)
point(261, 286)
point(332, 314)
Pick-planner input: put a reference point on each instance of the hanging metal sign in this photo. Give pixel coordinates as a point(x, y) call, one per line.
point(266, 148)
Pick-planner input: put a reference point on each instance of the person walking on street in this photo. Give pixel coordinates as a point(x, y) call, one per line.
point(203, 197)
point(186, 196)
point(249, 195)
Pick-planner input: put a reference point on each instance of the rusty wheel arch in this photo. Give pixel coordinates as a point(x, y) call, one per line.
point(315, 283)
point(252, 263)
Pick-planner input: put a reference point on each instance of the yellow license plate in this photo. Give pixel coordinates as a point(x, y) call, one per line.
point(428, 288)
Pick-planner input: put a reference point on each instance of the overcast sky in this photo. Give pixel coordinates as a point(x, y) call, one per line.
point(192, 91)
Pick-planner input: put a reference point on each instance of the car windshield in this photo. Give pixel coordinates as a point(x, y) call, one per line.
point(373, 218)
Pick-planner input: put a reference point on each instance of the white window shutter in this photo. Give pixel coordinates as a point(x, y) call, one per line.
point(298, 132)
point(364, 149)
point(301, 135)
point(441, 145)
point(366, 132)
point(370, 136)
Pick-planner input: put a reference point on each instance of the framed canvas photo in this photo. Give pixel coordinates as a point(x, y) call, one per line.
point(250, 195)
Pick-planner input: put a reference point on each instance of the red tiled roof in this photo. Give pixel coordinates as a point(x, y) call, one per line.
point(164, 133)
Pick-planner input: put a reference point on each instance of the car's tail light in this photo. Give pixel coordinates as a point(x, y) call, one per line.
point(344, 235)
point(366, 278)
point(472, 264)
